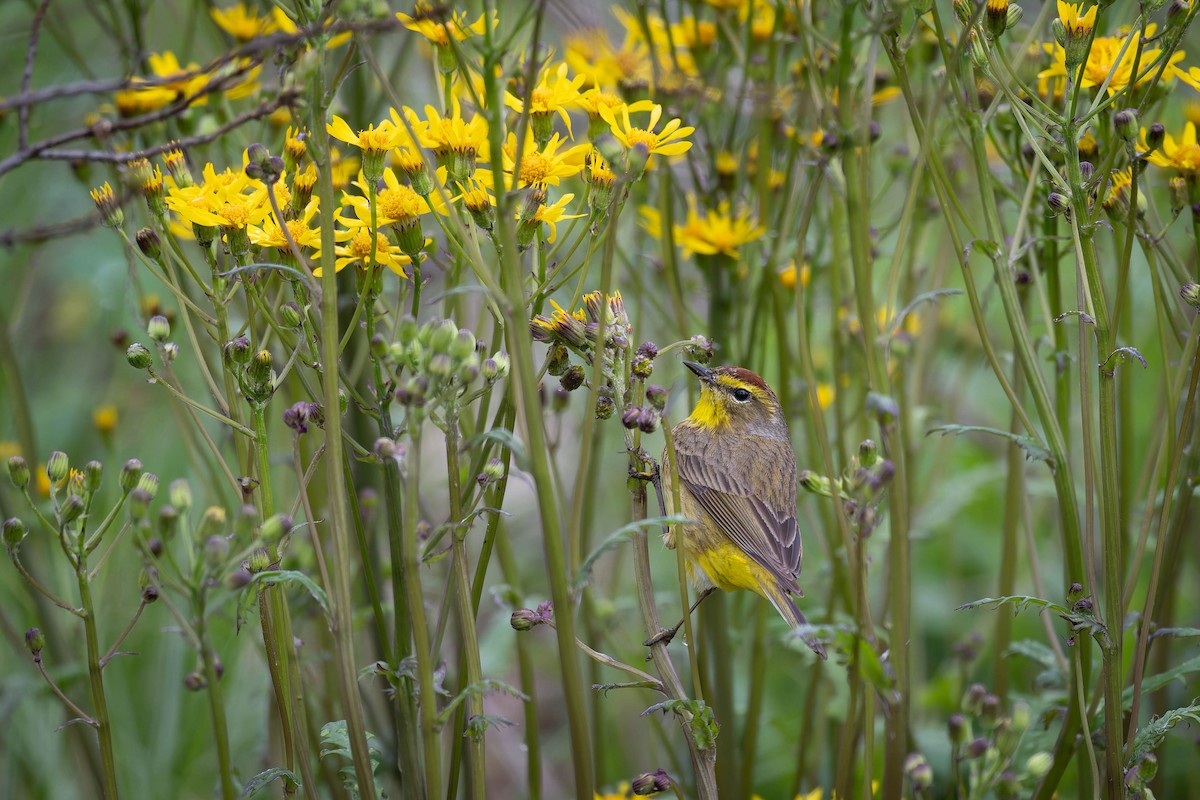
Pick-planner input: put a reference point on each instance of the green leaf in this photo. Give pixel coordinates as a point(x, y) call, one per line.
point(292, 576)
point(335, 741)
point(696, 715)
point(265, 778)
point(1033, 450)
point(506, 439)
point(1178, 633)
point(1151, 735)
point(482, 688)
point(1035, 651)
point(1151, 683)
point(1079, 622)
point(616, 537)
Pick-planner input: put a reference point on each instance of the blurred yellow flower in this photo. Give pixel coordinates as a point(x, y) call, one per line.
point(788, 277)
point(706, 231)
point(555, 213)
point(435, 26)
point(1182, 155)
point(242, 23)
point(105, 419)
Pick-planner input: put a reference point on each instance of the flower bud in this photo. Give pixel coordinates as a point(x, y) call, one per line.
point(651, 783)
point(150, 594)
point(131, 473)
point(58, 466)
point(572, 379)
point(35, 641)
point(290, 315)
point(216, 548)
point(463, 345)
point(1177, 13)
point(158, 328)
point(408, 329)
point(918, 771)
point(1039, 764)
point(139, 503)
point(1177, 190)
point(138, 356)
point(1014, 16)
point(1125, 123)
point(70, 509)
point(275, 528)
point(258, 562)
point(656, 396)
point(180, 494)
point(149, 243)
point(93, 472)
point(168, 518)
point(976, 749)
point(1086, 170)
point(1008, 787)
point(989, 709)
point(260, 367)
point(14, 532)
point(524, 619)
point(1190, 292)
point(148, 482)
point(630, 417)
point(604, 407)
point(442, 337)
point(18, 470)
point(558, 360)
point(648, 420)
point(1059, 203)
point(441, 365)
point(972, 701)
point(237, 351)
point(493, 470)
point(1155, 136)
point(995, 17)
point(194, 681)
point(1074, 592)
point(385, 449)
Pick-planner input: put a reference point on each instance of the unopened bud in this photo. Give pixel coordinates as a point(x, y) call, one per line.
point(1190, 292)
point(18, 471)
point(651, 783)
point(558, 360)
point(290, 315)
point(977, 748)
point(630, 417)
point(180, 494)
point(648, 420)
point(918, 771)
point(148, 482)
point(131, 473)
point(258, 562)
point(385, 449)
point(149, 243)
point(158, 328)
point(35, 641)
point(58, 466)
point(656, 396)
point(1125, 123)
point(1059, 203)
point(524, 619)
point(93, 473)
point(216, 548)
point(14, 532)
point(1155, 136)
point(1039, 764)
point(463, 345)
point(70, 509)
point(138, 356)
point(1177, 190)
point(972, 701)
point(276, 527)
point(572, 379)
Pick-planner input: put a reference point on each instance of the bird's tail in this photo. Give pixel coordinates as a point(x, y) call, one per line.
point(794, 617)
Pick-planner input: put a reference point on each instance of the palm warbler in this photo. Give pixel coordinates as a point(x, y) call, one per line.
point(737, 476)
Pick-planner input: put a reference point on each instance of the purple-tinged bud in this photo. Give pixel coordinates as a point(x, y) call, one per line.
point(573, 378)
point(630, 417)
point(1190, 292)
point(976, 749)
point(14, 532)
point(35, 641)
point(656, 396)
point(918, 771)
point(71, 509)
point(18, 470)
point(1125, 122)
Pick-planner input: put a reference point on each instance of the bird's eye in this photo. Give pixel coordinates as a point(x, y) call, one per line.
point(741, 395)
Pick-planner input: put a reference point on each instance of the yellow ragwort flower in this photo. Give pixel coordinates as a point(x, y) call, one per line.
point(451, 133)
point(1077, 24)
point(438, 28)
point(545, 166)
point(707, 231)
point(1111, 56)
point(105, 419)
point(553, 94)
point(243, 23)
point(374, 140)
point(670, 141)
point(1181, 155)
point(270, 234)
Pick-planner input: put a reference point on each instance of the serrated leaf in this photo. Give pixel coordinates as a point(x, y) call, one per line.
point(1033, 450)
point(616, 537)
point(1078, 622)
point(266, 778)
point(696, 715)
point(1152, 734)
point(1124, 354)
point(482, 688)
point(1178, 633)
point(287, 576)
point(335, 741)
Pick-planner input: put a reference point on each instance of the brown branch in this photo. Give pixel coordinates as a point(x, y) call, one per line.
point(27, 74)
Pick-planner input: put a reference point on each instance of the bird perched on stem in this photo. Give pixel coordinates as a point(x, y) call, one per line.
point(737, 480)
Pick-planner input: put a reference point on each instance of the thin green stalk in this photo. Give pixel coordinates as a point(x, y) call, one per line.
point(339, 526)
point(103, 722)
point(216, 702)
point(427, 710)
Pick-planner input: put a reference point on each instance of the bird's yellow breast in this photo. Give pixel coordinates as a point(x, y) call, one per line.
point(727, 567)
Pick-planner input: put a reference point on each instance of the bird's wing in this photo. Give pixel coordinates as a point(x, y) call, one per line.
point(750, 491)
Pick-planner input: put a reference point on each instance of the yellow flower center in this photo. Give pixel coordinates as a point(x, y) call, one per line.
point(360, 246)
point(535, 168)
point(637, 136)
point(374, 140)
point(540, 99)
point(401, 203)
point(235, 215)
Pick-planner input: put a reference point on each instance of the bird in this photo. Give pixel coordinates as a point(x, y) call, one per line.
point(737, 482)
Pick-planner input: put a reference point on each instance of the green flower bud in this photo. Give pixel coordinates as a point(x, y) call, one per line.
point(1059, 203)
point(159, 328)
point(149, 482)
point(1125, 122)
point(216, 548)
point(493, 470)
point(441, 365)
point(656, 396)
point(524, 619)
point(956, 728)
point(58, 466)
point(499, 367)
point(1177, 190)
point(35, 641)
point(558, 360)
point(1039, 764)
point(131, 473)
point(93, 472)
point(275, 528)
point(18, 471)
point(408, 329)
point(290, 315)
point(260, 367)
point(180, 494)
point(1190, 292)
point(918, 771)
point(468, 370)
point(1014, 16)
point(149, 243)
point(212, 523)
point(258, 562)
point(1155, 136)
point(463, 345)
point(139, 503)
point(237, 351)
point(14, 532)
point(138, 356)
point(71, 509)
point(442, 336)
point(995, 17)
point(168, 517)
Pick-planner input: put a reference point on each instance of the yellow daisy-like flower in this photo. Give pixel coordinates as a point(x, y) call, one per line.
point(396, 202)
point(554, 213)
point(450, 133)
point(694, 33)
point(1102, 60)
point(285, 24)
point(1077, 24)
point(590, 53)
point(221, 200)
point(373, 140)
point(354, 245)
point(242, 23)
point(438, 28)
point(270, 234)
point(670, 141)
point(707, 231)
point(553, 94)
point(544, 166)
point(1182, 155)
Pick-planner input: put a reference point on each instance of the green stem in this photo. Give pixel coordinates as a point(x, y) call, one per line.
point(96, 679)
point(216, 703)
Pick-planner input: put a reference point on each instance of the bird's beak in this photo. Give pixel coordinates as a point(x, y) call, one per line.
point(702, 372)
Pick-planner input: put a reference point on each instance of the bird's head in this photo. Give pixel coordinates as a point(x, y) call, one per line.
point(735, 399)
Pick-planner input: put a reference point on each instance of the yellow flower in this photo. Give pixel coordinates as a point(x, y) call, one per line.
point(451, 133)
point(396, 202)
point(590, 53)
point(438, 28)
point(1102, 60)
point(670, 141)
point(553, 94)
point(241, 23)
point(1182, 155)
point(270, 234)
point(540, 167)
point(221, 200)
point(694, 33)
point(709, 232)
point(372, 140)
point(105, 419)
point(355, 245)
point(553, 214)
point(1077, 25)
point(787, 278)
point(285, 24)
